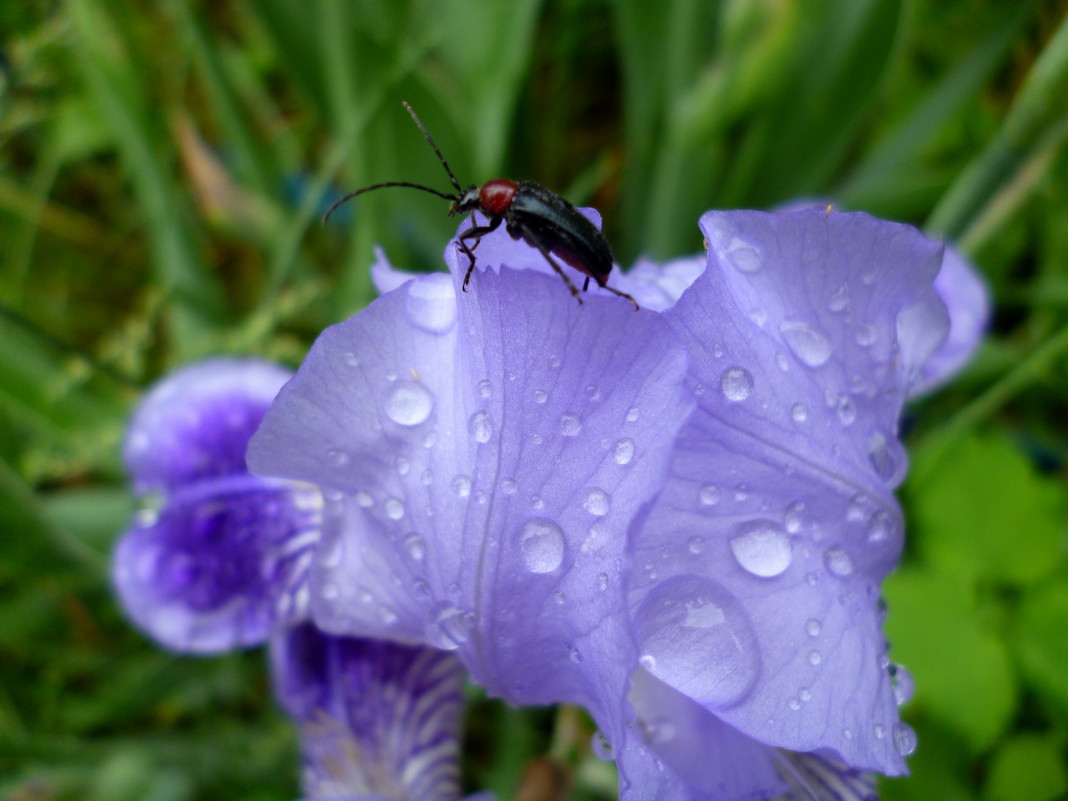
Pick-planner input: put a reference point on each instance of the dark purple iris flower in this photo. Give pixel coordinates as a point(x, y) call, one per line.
point(218, 558)
point(678, 519)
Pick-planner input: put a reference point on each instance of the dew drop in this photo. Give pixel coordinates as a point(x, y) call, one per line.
point(352, 360)
point(743, 256)
point(814, 658)
point(431, 303)
point(808, 344)
point(623, 452)
point(570, 425)
point(337, 458)
point(540, 396)
point(485, 389)
point(574, 654)
point(696, 544)
point(509, 486)
point(795, 517)
point(601, 746)
point(364, 499)
point(461, 485)
point(415, 545)
point(845, 409)
point(761, 548)
point(736, 383)
point(596, 502)
point(866, 335)
point(902, 683)
point(813, 627)
point(879, 730)
point(700, 638)
point(481, 427)
point(632, 414)
point(448, 629)
point(403, 466)
point(708, 495)
point(409, 403)
point(879, 527)
point(602, 581)
point(394, 509)
point(838, 561)
point(881, 456)
point(904, 738)
point(542, 545)
point(839, 300)
point(799, 413)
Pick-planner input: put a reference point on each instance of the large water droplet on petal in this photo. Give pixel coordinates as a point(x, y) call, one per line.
point(596, 502)
point(624, 451)
point(698, 639)
point(904, 738)
point(761, 547)
point(448, 629)
point(409, 403)
point(542, 545)
point(736, 383)
point(431, 303)
point(809, 345)
point(570, 425)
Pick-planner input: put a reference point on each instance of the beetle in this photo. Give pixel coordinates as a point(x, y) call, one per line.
point(530, 212)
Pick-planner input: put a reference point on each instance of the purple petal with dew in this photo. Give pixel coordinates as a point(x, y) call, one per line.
point(376, 719)
point(967, 300)
point(216, 558)
point(756, 586)
point(483, 455)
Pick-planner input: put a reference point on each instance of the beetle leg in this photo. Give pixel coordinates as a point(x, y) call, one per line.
point(621, 294)
point(532, 239)
point(475, 232)
point(586, 284)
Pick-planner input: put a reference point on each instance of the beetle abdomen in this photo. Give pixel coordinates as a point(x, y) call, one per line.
point(561, 229)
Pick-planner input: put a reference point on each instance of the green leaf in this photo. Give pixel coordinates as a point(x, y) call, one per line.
point(1027, 768)
point(962, 672)
point(1042, 640)
point(987, 514)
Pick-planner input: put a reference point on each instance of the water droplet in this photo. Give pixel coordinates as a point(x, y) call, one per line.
point(696, 544)
point(431, 303)
point(602, 581)
point(902, 683)
point(601, 746)
point(430, 440)
point(415, 545)
point(809, 345)
point(838, 561)
point(839, 300)
point(461, 485)
point(881, 456)
point(623, 452)
point(593, 392)
point(481, 427)
point(879, 527)
point(394, 509)
point(813, 627)
point(540, 396)
point(805, 694)
point(648, 662)
point(761, 547)
point(799, 413)
point(904, 738)
point(794, 517)
point(794, 704)
point(596, 502)
point(403, 466)
point(485, 389)
point(814, 658)
point(337, 458)
point(509, 486)
point(570, 425)
point(365, 499)
point(352, 360)
point(866, 335)
point(542, 544)
point(536, 502)
point(632, 414)
point(736, 383)
point(554, 361)
point(879, 730)
point(708, 495)
point(845, 409)
point(448, 629)
point(574, 654)
point(742, 255)
point(701, 639)
point(409, 403)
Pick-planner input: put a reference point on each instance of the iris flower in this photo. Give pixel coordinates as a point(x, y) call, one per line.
point(678, 519)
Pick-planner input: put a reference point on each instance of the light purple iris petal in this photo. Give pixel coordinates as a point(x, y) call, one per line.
point(377, 720)
point(483, 455)
point(756, 584)
point(217, 557)
point(967, 300)
point(659, 286)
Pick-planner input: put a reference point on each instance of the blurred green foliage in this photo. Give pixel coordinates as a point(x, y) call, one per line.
point(163, 170)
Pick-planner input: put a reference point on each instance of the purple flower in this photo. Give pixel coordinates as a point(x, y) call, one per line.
point(220, 560)
point(216, 558)
point(679, 520)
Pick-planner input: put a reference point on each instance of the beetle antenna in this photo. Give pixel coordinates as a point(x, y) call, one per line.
point(430, 139)
point(351, 195)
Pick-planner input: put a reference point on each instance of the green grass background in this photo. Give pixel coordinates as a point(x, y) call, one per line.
point(163, 170)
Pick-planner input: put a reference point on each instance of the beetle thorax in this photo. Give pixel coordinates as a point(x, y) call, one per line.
point(466, 202)
point(496, 196)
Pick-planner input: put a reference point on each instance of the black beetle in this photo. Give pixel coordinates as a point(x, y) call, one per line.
point(530, 212)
